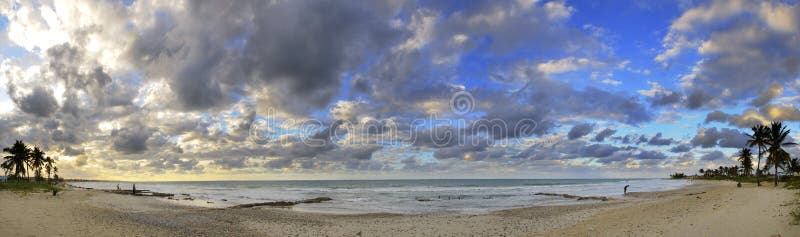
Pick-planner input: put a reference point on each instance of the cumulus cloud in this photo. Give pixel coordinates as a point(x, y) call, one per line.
point(39, 102)
point(767, 95)
point(680, 148)
point(724, 137)
point(659, 140)
point(602, 135)
point(182, 87)
point(580, 130)
point(737, 42)
point(713, 156)
point(131, 140)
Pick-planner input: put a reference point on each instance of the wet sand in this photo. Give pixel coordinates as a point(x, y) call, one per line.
point(721, 210)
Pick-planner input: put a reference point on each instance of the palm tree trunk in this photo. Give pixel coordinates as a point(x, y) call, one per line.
point(758, 167)
point(776, 174)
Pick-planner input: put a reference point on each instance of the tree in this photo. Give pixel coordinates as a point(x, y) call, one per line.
point(18, 159)
point(777, 155)
point(48, 166)
point(760, 139)
point(794, 166)
point(37, 162)
point(746, 158)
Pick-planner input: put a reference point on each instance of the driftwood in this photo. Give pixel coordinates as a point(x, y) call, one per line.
point(283, 203)
point(579, 198)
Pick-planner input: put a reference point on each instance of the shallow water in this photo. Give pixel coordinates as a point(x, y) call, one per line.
point(397, 196)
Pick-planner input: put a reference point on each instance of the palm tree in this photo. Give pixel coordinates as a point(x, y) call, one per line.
point(17, 160)
point(794, 166)
point(55, 173)
point(37, 162)
point(759, 138)
point(746, 157)
point(777, 155)
point(48, 166)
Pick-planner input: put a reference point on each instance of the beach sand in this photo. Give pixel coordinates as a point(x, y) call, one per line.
point(707, 208)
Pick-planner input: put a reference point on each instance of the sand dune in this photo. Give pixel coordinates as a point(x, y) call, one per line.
point(710, 209)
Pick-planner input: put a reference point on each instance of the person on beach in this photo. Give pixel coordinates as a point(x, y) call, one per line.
point(134, 189)
point(117, 186)
point(626, 190)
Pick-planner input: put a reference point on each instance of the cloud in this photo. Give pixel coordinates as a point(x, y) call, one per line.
point(767, 95)
point(658, 140)
point(680, 148)
point(39, 102)
point(713, 156)
point(737, 41)
point(724, 137)
point(132, 139)
point(580, 130)
point(568, 64)
point(602, 135)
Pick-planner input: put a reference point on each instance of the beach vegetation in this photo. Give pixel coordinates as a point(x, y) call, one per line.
point(759, 139)
point(21, 161)
point(778, 157)
point(746, 158)
point(677, 175)
point(25, 186)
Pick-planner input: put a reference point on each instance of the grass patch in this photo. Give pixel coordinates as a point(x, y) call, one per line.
point(793, 183)
point(23, 186)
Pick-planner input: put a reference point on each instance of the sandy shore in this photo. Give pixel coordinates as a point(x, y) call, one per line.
point(702, 209)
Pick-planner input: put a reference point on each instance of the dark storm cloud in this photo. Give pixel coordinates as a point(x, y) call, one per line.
point(580, 130)
point(602, 135)
point(724, 137)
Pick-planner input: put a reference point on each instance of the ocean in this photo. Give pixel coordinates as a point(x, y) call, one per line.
point(469, 196)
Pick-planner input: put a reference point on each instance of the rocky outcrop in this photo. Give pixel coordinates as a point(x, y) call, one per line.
point(283, 203)
point(576, 197)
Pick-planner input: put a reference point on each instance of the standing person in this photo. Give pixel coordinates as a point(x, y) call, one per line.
point(626, 190)
point(134, 189)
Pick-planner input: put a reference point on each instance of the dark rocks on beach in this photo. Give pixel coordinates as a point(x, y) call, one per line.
point(569, 196)
point(283, 203)
point(316, 200)
point(424, 199)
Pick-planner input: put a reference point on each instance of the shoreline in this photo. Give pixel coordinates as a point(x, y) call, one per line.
point(93, 212)
point(415, 200)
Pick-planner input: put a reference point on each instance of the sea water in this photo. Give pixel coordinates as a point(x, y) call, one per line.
point(397, 196)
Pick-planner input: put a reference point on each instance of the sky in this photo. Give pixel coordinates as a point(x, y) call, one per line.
point(395, 89)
